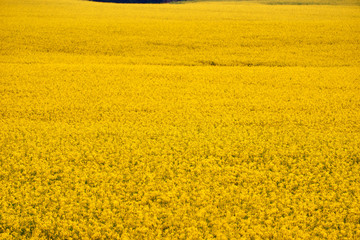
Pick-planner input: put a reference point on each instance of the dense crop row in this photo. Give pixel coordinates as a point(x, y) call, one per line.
point(231, 121)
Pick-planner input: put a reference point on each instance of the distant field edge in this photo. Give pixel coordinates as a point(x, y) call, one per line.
point(289, 2)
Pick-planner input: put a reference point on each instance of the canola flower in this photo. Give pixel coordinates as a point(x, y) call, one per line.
point(209, 120)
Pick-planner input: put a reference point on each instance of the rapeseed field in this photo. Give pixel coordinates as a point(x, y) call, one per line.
point(199, 120)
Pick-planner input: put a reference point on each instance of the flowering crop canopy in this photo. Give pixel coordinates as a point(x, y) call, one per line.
point(136, 1)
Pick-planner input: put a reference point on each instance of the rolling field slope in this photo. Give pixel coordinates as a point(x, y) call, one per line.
point(200, 120)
